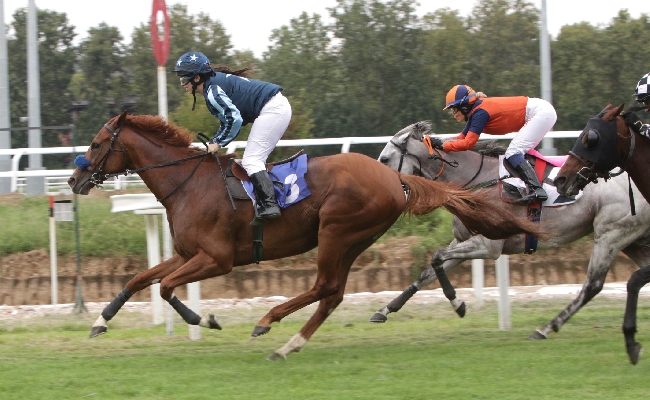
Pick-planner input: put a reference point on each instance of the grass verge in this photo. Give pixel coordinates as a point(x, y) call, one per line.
point(423, 352)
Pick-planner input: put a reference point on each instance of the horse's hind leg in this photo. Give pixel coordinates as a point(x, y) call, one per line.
point(638, 279)
point(478, 247)
point(298, 341)
point(333, 269)
point(141, 281)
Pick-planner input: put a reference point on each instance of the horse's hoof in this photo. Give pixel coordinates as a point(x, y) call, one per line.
point(260, 330)
point(378, 318)
point(209, 321)
point(460, 307)
point(537, 335)
point(97, 330)
point(275, 356)
point(635, 352)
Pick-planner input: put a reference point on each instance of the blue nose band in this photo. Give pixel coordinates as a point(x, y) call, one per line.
point(81, 162)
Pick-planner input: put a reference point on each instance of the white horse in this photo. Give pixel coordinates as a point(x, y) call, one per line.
point(603, 209)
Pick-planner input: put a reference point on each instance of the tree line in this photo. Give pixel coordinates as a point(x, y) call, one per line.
point(377, 68)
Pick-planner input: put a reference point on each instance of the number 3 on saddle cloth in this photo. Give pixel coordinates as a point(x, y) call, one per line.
point(288, 178)
point(513, 188)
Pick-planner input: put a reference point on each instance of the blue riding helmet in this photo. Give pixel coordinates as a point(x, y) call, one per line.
point(191, 64)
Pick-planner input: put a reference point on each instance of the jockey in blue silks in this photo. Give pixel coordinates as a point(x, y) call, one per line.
point(237, 100)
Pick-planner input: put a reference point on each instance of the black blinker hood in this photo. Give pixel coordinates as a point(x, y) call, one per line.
point(605, 154)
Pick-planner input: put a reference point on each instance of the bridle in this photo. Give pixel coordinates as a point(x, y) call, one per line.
point(434, 154)
point(98, 178)
point(589, 174)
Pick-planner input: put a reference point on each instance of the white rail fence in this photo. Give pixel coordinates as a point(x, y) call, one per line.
point(145, 204)
point(56, 179)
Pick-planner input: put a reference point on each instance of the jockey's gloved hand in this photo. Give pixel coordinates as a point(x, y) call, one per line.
point(213, 147)
point(436, 143)
point(633, 121)
point(645, 130)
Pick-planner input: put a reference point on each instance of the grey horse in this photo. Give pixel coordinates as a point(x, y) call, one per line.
point(603, 209)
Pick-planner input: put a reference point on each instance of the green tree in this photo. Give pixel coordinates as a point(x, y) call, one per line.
point(103, 82)
point(379, 51)
point(56, 57)
point(505, 48)
point(301, 60)
point(447, 53)
point(141, 69)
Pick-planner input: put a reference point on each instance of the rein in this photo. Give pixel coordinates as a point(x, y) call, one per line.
point(434, 154)
point(588, 174)
point(98, 178)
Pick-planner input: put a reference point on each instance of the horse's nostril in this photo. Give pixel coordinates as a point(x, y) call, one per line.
point(383, 159)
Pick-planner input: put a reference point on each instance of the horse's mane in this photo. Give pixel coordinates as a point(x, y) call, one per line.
point(157, 126)
point(489, 148)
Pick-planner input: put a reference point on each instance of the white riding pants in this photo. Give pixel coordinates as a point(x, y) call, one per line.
point(266, 132)
point(540, 118)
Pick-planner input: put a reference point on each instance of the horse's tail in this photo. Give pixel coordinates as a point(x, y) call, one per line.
point(479, 215)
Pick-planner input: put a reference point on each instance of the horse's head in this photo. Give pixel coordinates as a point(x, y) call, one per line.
point(596, 152)
point(406, 152)
point(105, 155)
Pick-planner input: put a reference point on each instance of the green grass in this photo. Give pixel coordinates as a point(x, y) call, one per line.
point(422, 352)
point(25, 227)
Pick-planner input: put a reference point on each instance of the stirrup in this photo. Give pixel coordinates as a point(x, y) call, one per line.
point(261, 217)
point(531, 198)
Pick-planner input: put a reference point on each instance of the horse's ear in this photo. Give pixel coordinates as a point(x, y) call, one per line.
point(610, 112)
point(121, 119)
point(619, 109)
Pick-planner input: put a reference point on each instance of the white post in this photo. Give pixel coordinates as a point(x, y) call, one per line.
point(194, 295)
point(478, 279)
point(167, 254)
point(35, 184)
point(503, 282)
point(5, 114)
point(53, 261)
point(162, 92)
point(153, 256)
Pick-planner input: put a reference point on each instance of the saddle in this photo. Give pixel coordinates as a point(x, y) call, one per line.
point(235, 174)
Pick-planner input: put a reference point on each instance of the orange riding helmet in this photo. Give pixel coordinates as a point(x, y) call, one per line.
point(462, 97)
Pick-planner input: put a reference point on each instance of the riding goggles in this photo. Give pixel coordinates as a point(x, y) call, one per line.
point(186, 79)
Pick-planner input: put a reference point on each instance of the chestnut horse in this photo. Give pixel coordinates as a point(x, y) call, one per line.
point(354, 200)
point(608, 142)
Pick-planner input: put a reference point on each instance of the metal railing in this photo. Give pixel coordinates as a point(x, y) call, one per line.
point(56, 179)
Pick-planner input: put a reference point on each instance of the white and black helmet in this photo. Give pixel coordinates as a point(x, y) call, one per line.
point(642, 92)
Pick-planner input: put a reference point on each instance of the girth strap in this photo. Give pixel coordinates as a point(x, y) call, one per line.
point(535, 209)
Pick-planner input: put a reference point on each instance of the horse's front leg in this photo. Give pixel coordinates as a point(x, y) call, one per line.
point(601, 258)
point(638, 279)
point(141, 281)
point(201, 266)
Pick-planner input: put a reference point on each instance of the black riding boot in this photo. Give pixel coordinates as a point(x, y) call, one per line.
point(536, 192)
point(267, 205)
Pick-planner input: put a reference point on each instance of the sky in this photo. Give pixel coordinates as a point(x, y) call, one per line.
point(250, 26)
